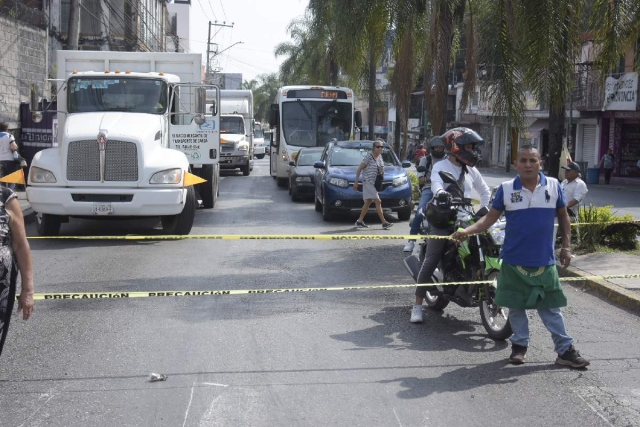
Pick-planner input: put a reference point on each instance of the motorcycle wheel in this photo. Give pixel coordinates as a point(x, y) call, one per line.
point(495, 319)
point(436, 302)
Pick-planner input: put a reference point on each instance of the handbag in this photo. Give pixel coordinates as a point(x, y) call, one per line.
point(378, 183)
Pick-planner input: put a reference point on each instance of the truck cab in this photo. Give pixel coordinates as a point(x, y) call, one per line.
point(236, 130)
point(130, 145)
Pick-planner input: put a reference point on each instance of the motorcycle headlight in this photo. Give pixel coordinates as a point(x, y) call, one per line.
point(339, 182)
point(39, 175)
point(170, 176)
point(303, 179)
point(401, 180)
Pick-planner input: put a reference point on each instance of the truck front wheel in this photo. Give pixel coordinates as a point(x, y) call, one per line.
point(246, 169)
point(47, 224)
point(208, 189)
point(181, 224)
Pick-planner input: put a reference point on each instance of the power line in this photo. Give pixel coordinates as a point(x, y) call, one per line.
point(205, 12)
point(225, 13)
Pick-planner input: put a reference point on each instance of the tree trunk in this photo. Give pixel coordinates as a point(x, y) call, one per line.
point(396, 130)
point(372, 88)
point(556, 133)
point(334, 72)
point(74, 25)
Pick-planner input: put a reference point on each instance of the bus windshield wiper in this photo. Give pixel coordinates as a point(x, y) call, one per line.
point(304, 108)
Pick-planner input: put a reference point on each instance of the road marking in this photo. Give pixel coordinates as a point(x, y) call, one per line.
point(186, 415)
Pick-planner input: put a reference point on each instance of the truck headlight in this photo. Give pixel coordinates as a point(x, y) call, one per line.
point(401, 180)
point(39, 175)
point(339, 182)
point(243, 147)
point(170, 176)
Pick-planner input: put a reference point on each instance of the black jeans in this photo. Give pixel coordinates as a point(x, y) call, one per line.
point(7, 167)
point(435, 247)
point(607, 175)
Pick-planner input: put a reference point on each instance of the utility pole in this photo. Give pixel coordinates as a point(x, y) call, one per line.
point(74, 25)
point(212, 53)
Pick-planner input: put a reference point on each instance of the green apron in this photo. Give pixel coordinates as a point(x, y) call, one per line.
point(524, 288)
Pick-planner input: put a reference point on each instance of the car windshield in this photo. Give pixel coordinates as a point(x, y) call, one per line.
point(129, 94)
point(352, 156)
point(309, 158)
point(231, 125)
point(314, 123)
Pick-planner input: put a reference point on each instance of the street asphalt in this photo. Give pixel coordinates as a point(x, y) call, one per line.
point(347, 358)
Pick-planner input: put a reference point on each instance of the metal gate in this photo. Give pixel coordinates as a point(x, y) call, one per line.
point(588, 145)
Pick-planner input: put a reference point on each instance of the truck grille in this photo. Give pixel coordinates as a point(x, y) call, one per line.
point(121, 161)
point(227, 148)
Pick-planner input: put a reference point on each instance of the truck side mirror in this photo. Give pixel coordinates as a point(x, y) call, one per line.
point(201, 105)
point(273, 115)
point(358, 118)
point(36, 114)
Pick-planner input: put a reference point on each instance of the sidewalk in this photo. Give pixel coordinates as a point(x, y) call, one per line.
point(623, 292)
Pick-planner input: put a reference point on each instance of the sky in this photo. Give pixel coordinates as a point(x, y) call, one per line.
point(259, 24)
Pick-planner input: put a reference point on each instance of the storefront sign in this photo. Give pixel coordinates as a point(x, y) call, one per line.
point(622, 93)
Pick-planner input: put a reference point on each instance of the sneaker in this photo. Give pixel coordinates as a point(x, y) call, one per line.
point(361, 224)
point(572, 359)
point(416, 314)
point(409, 246)
point(387, 225)
point(518, 354)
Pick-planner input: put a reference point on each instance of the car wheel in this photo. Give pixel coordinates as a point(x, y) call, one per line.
point(326, 214)
point(404, 215)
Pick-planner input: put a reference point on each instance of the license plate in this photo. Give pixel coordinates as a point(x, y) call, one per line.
point(106, 209)
point(226, 161)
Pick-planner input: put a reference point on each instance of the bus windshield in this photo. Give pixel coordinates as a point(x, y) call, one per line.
point(117, 94)
point(314, 123)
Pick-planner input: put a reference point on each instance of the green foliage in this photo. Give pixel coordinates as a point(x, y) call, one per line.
point(603, 230)
point(415, 186)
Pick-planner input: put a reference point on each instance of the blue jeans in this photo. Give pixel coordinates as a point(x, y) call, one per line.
point(553, 321)
point(425, 197)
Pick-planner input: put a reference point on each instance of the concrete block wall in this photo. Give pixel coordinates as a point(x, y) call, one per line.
point(23, 61)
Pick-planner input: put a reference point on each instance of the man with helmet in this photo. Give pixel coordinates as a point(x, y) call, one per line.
point(436, 153)
point(460, 146)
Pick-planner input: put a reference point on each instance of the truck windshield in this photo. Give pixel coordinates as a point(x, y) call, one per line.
point(257, 132)
point(314, 123)
point(231, 125)
point(117, 94)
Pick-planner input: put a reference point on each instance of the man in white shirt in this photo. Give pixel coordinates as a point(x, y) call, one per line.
point(574, 188)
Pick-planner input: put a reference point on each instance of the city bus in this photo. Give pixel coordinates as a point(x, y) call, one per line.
point(309, 116)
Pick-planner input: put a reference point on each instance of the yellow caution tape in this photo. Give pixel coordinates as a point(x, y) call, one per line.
point(248, 237)
point(276, 236)
point(189, 293)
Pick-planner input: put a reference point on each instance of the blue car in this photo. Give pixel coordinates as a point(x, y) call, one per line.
point(336, 172)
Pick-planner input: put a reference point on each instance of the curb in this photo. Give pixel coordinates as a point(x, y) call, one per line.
point(614, 293)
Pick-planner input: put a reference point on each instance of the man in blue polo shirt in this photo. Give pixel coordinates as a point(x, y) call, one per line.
point(528, 277)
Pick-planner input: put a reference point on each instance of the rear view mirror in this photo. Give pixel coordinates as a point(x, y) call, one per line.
point(358, 118)
point(36, 114)
point(292, 163)
point(447, 177)
point(419, 168)
point(319, 165)
point(407, 164)
point(273, 115)
point(201, 101)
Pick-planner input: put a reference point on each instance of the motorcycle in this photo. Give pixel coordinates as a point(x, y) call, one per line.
point(475, 259)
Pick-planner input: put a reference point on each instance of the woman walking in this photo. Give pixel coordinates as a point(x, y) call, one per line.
point(7, 148)
point(14, 255)
point(607, 161)
point(372, 165)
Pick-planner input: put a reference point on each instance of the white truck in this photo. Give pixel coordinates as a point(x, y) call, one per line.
point(259, 149)
point(236, 130)
point(133, 130)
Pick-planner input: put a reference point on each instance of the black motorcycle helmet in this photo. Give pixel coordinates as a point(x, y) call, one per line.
point(441, 215)
point(455, 140)
point(436, 142)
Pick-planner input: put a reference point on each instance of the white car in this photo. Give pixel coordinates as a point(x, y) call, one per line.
point(259, 149)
